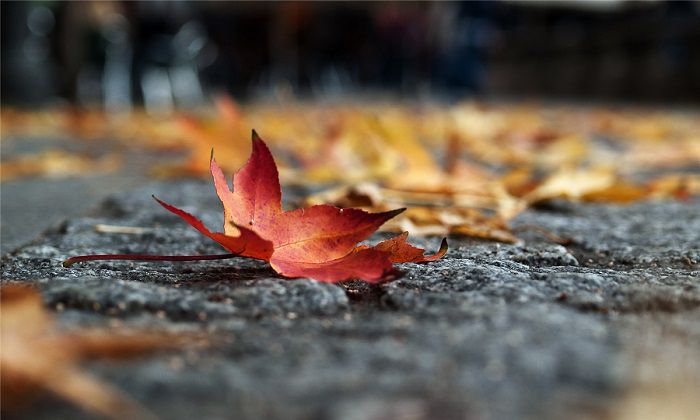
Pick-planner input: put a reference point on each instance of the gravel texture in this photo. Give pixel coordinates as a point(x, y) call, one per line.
point(492, 331)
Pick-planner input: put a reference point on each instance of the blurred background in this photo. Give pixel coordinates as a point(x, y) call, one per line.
point(479, 106)
point(165, 54)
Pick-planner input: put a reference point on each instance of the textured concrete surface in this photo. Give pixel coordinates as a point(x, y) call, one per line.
point(30, 205)
point(492, 331)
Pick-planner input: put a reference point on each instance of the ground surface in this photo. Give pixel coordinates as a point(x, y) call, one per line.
point(606, 327)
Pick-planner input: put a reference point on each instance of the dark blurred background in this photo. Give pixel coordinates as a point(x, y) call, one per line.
point(164, 54)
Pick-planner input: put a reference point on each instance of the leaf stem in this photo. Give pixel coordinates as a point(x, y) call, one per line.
point(142, 257)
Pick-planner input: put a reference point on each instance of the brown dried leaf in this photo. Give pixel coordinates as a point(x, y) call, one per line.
point(37, 356)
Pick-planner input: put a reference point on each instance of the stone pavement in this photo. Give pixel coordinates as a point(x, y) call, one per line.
point(606, 327)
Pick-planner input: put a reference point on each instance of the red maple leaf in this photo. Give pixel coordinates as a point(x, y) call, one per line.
point(320, 242)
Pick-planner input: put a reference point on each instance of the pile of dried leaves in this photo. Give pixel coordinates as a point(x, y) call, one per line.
point(467, 169)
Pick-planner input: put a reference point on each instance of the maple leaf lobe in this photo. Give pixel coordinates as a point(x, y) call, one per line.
point(247, 244)
point(401, 251)
point(367, 264)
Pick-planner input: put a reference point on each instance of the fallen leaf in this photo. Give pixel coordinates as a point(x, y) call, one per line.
point(38, 356)
point(681, 186)
point(319, 242)
point(619, 192)
point(572, 184)
point(56, 163)
point(198, 135)
point(402, 251)
point(456, 221)
point(432, 213)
